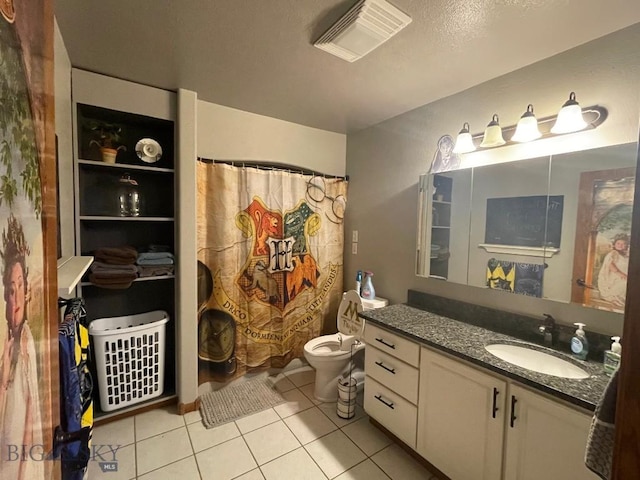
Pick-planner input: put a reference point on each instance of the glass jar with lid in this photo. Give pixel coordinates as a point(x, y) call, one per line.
point(129, 200)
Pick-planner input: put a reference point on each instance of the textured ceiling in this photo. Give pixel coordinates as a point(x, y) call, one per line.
point(258, 55)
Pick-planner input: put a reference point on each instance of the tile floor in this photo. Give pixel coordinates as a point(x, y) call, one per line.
point(299, 439)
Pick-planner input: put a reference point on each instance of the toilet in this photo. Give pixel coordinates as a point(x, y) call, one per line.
point(330, 354)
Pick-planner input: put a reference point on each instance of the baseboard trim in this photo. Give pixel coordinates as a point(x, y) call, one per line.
point(184, 408)
point(136, 410)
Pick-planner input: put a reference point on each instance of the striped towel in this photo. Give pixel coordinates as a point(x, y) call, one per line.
point(599, 453)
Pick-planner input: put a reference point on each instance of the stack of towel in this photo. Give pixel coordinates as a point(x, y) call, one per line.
point(114, 267)
point(156, 261)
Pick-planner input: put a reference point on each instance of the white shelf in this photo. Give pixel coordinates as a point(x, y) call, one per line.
point(546, 252)
point(70, 271)
point(139, 279)
point(125, 219)
point(125, 166)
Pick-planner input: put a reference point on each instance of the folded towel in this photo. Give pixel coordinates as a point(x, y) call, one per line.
point(158, 248)
point(154, 255)
point(155, 261)
point(116, 255)
point(599, 453)
point(155, 270)
point(99, 267)
point(109, 281)
point(113, 276)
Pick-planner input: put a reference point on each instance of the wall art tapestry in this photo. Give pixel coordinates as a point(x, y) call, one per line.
point(28, 339)
point(601, 254)
point(270, 260)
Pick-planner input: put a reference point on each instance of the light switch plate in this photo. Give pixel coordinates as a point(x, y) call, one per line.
point(354, 236)
point(354, 248)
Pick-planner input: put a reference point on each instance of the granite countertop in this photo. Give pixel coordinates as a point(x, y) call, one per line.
point(468, 341)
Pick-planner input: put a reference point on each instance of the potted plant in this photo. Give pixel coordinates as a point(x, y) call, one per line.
point(106, 137)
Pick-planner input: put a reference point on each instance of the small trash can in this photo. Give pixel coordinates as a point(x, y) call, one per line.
point(129, 354)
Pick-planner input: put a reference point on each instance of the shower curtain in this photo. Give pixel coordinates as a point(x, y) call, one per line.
point(270, 260)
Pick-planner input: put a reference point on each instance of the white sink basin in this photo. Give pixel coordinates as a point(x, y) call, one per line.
point(536, 360)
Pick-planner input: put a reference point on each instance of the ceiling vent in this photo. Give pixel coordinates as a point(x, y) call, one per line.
point(366, 26)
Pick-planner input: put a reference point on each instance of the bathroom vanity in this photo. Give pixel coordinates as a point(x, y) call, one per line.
point(431, 382)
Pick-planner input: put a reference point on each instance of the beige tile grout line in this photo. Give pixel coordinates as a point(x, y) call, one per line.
point(193, 454)
point(280, 419)
point(135, 447)
point(193, 450)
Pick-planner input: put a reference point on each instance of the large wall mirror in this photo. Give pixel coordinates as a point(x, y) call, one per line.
point(555, 227)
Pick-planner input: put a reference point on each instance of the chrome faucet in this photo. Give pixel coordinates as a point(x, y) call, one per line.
point(549, 330)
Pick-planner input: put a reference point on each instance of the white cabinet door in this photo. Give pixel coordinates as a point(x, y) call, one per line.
point(547, 439)
point(461, 414)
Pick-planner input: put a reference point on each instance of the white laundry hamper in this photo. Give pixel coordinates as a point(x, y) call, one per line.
point(129, 353)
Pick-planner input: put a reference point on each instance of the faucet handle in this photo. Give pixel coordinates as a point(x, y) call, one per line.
point(549, 320)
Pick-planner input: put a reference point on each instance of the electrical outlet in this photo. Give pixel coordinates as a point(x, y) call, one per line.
point(354, 248)
point(354, 236)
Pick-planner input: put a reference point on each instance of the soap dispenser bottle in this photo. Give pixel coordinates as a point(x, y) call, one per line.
point(612, 357)
point(368, 291)
point(579, 343)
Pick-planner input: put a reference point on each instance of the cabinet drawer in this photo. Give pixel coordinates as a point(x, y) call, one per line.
point(393, 344)
point(391, 410)
point(394, 374)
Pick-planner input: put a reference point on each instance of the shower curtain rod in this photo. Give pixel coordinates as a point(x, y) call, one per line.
point(271, 166)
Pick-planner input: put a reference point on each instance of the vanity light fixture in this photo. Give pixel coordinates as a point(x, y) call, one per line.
point(464, 142)
point(570, 117)
point(527, 128)
point(493, 134)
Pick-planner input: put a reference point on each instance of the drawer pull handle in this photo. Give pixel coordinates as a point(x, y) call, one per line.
point(390, 370)
point(388, 404)
point(513, 410)
point(390, 345)
point(495, 402)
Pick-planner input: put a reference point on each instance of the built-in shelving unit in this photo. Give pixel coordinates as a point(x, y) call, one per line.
point(99, 219)
point(441, 189)
point(119, 166)
point(104, 218)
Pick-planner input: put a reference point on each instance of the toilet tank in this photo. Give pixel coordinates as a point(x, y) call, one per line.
point(371, 304)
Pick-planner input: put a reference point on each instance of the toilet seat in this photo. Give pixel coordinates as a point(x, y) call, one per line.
point(327, 346)
point(329, 355)
point(348, 321)
point(350, 330)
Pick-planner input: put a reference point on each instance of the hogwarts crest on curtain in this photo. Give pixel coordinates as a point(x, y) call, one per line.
point(270, 260)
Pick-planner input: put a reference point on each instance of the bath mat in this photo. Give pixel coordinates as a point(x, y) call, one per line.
point(235, 401)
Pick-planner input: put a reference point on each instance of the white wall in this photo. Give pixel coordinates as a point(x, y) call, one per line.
point(62, 86)
point(384, 163)
point(228, 134)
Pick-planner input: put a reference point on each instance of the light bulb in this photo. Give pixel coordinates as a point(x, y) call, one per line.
point(527, 128)
point(493, 134)
point(464, 142)
point(569, 117)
